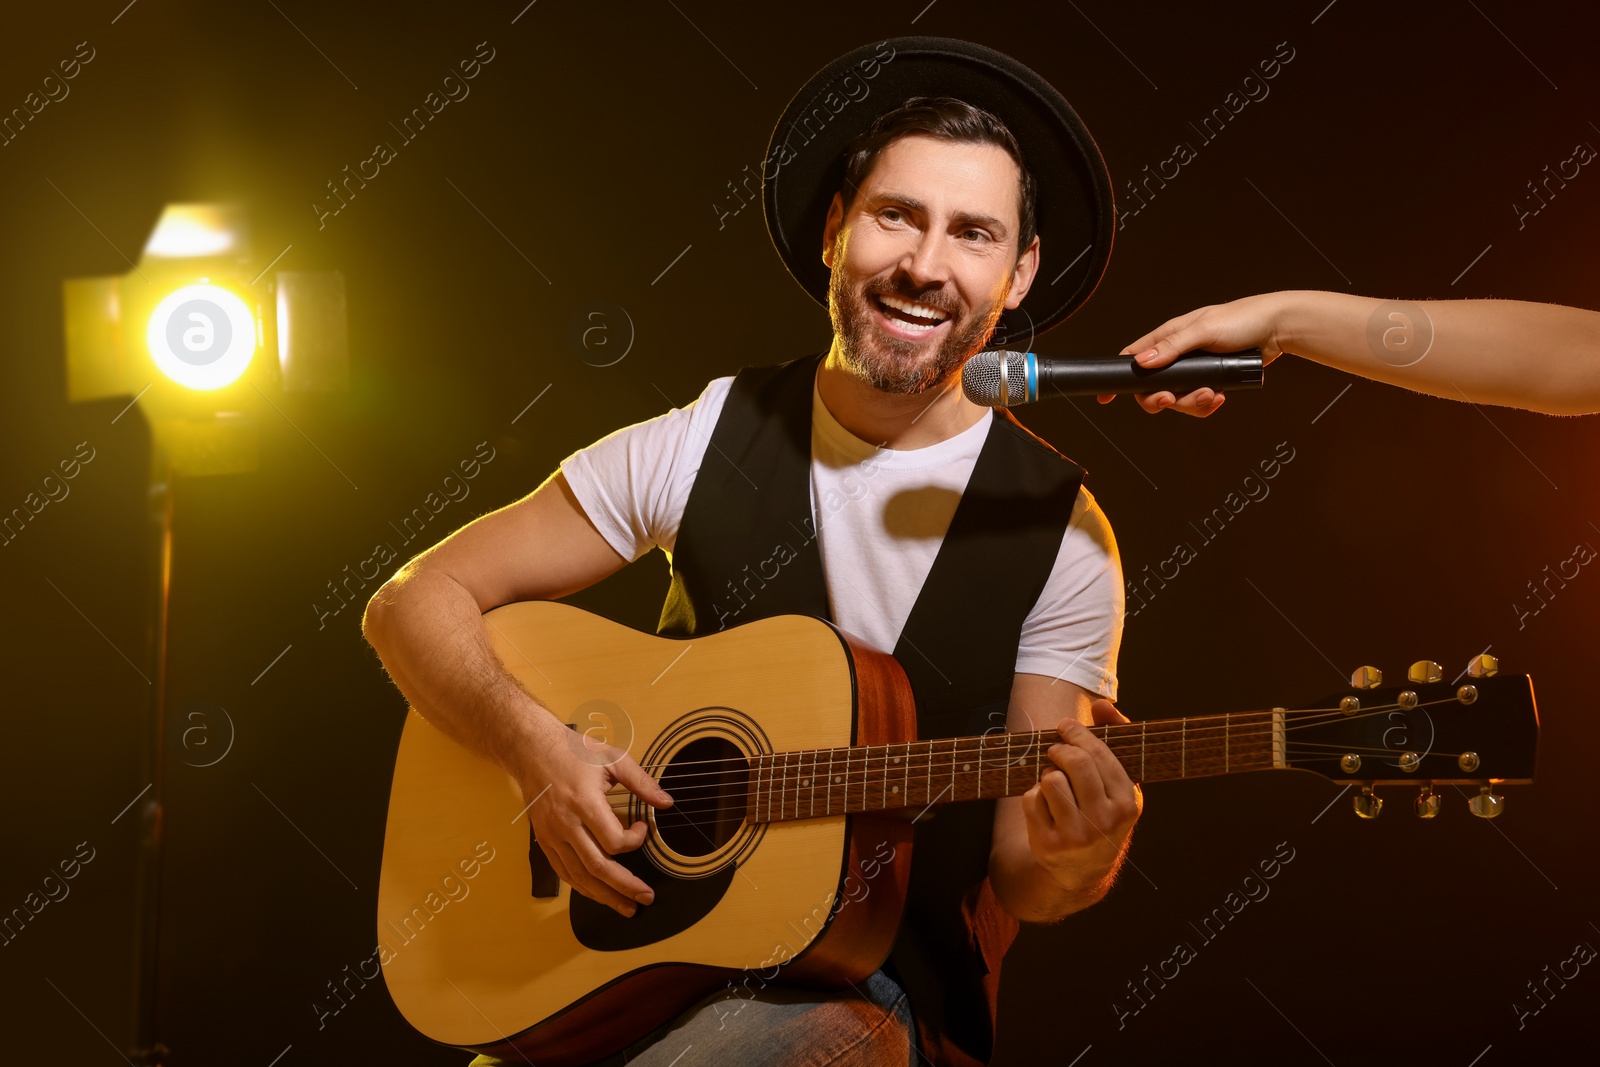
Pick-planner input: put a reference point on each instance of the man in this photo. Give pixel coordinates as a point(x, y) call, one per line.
point(1510, 352)
point(926, 526)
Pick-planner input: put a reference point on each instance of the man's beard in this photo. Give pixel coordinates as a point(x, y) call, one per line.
point(892, 364)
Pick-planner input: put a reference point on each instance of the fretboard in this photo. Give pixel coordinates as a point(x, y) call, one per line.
point(839, 781)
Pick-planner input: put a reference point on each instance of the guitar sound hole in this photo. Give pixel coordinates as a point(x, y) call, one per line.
point(709, 780)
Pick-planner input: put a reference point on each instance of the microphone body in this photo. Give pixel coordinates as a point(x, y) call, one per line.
point(1006, 379)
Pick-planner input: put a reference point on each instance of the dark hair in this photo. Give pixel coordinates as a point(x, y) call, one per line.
point(946, 119)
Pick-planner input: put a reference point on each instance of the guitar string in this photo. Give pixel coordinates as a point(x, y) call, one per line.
point(1191, 731)
point(942, 764)
point(1127, 730)
point(693, 811)
point(690, 803)
point(1187, 728)
point(1131, 729)
point(690, 798)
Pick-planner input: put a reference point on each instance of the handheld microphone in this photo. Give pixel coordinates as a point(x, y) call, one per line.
point(1000, 379)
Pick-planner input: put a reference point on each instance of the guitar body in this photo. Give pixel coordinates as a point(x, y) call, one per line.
point(487, 951)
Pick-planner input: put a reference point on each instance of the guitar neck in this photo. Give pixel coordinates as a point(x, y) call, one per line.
point(916, 774)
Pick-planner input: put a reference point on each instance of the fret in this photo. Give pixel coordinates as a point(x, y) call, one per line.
point(791, 764)
point(1143, 725)
point(905, 775)
point(953, 794)
point(799, 780)
point(828, 804)
point(862, 803)
point(763, 776)
point(866, 773)
point(884, 784)
point(772, 780)
point(927, 763)
point(756, 791)
point(1008, 765)
point(811, 782)
point(849, 769)
point(1227, 728)
point(983, 759)
point(778, 779)
point(1183, 749)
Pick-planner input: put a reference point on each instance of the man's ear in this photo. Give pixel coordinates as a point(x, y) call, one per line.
point(1027, 270)
point(830, 229)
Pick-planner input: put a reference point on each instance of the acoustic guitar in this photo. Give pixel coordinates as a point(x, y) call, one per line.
point(790, 751)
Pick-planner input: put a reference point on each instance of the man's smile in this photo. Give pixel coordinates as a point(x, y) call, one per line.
point(908, 319)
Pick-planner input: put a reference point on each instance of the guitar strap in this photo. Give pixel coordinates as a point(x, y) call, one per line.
point(746, 549)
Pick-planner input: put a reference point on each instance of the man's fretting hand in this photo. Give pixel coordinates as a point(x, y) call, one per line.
point(1080, 814)
point(573, 821)
point(1250, 322)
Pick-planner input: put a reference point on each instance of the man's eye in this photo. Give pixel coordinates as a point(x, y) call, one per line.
point(890, 214)
point(975, 235)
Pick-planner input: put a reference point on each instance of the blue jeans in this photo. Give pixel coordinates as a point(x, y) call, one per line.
point(869, 1026)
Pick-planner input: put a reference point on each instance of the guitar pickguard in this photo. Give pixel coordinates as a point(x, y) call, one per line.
point(679, 904)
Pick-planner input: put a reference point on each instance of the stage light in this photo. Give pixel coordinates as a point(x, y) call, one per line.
point(202, 336)
point(183, 330)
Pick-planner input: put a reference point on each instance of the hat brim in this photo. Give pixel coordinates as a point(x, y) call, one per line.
point(804, 164)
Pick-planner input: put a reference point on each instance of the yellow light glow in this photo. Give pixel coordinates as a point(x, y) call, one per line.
point(202, 336)
point(189, 230)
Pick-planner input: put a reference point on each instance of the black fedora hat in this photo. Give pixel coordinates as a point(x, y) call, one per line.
point(804, 164)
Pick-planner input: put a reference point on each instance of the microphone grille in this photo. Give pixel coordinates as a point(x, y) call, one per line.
point(980, 378)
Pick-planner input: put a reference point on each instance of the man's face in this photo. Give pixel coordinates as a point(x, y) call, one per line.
point(925, 261)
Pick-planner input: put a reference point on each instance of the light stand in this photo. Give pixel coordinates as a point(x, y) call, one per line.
point(180, 334)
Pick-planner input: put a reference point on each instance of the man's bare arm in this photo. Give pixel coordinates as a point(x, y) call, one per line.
point(1544, 357)
point(427, 627)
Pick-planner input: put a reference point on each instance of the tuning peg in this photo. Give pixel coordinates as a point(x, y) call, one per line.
point(1427, 803)
point(1366, 678)
point(1424, 671)
point(1486, 805)
point(1367, 803)
point(1483, 666)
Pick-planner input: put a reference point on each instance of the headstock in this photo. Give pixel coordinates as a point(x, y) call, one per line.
point(1480, 730)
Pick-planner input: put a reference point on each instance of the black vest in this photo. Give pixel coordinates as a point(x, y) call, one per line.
point(751, 505)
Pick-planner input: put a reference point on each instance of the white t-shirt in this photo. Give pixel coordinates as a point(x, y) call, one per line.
point(880, 517)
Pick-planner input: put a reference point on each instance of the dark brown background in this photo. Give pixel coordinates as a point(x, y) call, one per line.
point(1385, 159)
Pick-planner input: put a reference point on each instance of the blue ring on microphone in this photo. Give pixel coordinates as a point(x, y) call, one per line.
point(1033, 377)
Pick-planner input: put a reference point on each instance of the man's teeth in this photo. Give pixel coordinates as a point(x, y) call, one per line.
point(921, 311)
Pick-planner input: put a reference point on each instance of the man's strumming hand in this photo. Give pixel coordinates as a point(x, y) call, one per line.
point(564, 778)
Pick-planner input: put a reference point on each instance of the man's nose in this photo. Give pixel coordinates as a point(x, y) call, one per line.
point(926, 260)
